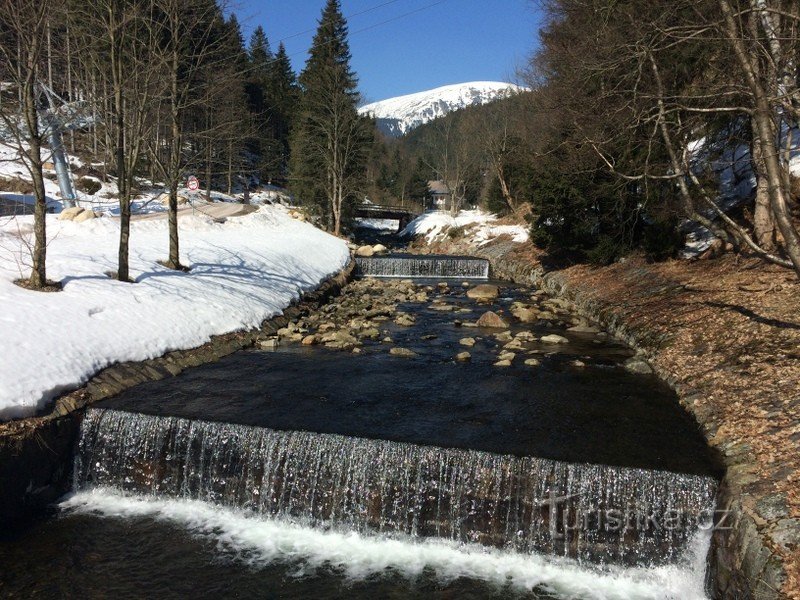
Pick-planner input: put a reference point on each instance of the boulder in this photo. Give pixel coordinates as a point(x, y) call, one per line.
point(85, 215)
point(532, 362)
point(503, 363)
point(637, 365)
point(467, 341)
point(405, 320)
point(365, 251)
point(554, 339)
point(269, 344)
point(403, 352)
point(492, 320)
point(484, 291)
point(310, 340)
point(68, 214)
point(379, 249)
point(463, 356)
point(509, 356)
point(526, 315)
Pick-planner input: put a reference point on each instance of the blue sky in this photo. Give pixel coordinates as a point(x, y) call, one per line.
point(439, 43)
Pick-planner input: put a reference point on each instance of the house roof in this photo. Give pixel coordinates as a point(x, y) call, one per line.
point(438, 186)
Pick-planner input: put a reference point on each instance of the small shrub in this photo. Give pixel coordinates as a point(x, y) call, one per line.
point(607, 251)
point(455, 233)
point(662, 240)
point(88, 185)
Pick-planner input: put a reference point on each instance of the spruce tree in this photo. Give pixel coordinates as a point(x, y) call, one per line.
point(330, 141)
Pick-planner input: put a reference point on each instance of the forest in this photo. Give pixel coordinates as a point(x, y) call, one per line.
point(644, 121)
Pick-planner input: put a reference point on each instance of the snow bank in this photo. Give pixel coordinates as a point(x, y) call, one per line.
point(477, 225)
point(243, 271)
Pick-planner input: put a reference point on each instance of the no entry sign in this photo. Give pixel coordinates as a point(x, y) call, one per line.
point(193, 184)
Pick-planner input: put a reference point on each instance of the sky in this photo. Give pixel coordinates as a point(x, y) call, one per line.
point(405, 46)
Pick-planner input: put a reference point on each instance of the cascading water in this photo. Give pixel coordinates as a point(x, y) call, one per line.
point(439, 267)
point(525, 504)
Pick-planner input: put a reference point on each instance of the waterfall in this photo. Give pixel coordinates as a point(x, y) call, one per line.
point(435, 267)
point(526, 504)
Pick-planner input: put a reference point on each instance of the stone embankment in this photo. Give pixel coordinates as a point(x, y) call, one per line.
point(35, 453)
point(726, 336)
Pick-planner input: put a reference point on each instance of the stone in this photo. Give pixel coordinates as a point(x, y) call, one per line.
point(85, 215)
point(483, 291)
point(787, 534)
point(509, 356)
point(284, 332)
point(503, 363)
point(356, 350)
point(309, 340)
point(379, 249)
point(637, 365)
point(370, 333)
point(584, 329)
point(526, 336)
point(467, 341)
point(513, 345)
point(403, 352)
point(526, 315)
point(269, 344)
point(578, 363)
point(443, 307)
point(387, 340)
point(463, 356)
point(68, 214)
point(465, 284)
point(505, 336)
point(553, 339)
point(492, 320)
point(365, 251)
point(405, 320)
point(532, 362)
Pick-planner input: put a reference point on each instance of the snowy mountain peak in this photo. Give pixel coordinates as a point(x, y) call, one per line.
point(397, 116)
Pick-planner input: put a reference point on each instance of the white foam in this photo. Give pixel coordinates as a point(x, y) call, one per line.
point(264, 541)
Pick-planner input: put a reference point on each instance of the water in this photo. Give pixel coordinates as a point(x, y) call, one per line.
point(524, 504)
point(429, 266)
point(305, 472)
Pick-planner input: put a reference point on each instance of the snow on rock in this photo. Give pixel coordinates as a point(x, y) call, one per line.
point(477, 225)
point(397, 116)
point(244, 270)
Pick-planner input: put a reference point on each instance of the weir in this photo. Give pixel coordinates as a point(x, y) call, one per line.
point(526, 504)
point(430, 266)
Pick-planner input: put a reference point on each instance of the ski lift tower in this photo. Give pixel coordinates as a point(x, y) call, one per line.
point(56, 119)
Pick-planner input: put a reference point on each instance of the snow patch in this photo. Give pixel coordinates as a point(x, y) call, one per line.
point(477, 225)
point(244, 270)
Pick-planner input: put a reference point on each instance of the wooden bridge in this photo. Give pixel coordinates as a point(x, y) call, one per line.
point(404, 214)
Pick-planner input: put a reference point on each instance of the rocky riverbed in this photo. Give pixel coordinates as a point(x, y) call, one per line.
point(517, 325)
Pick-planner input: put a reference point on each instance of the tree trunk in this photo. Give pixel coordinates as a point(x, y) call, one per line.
point(38, 278)
point(762, 117)
point(763, 223)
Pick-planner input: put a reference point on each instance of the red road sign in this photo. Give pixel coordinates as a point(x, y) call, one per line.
point(193, 184)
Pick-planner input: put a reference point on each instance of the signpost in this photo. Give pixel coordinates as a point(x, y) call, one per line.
point(193, 184)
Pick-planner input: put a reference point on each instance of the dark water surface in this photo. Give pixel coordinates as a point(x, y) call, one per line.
point(599, 413)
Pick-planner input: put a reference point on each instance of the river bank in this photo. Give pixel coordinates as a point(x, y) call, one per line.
point(728, 344)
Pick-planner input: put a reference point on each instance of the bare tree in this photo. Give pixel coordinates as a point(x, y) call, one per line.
point(23, 43)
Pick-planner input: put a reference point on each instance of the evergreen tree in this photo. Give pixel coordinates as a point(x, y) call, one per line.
point(283, 93)
point(330, 140)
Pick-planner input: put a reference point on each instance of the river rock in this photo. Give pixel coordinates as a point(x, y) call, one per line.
point(505, 336)
point(526, 336)
point(584, 329)
point(463, 356)
point(637, 365)
point(578, 363)
point(310, 340)
point(379, 249)
point(403, 352)
point(507, 356)
point(465, 284)
point(503, 363)
point(526, 315)
point(467, 341)
point(405, 320)
point(553, 339)
point(365, 251)
point(484, 291)
point(513, 345)
point(269, 344)
point(492, 320)
point(532, 362)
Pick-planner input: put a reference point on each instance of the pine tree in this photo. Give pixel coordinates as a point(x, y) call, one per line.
point(283, 94)
point(330, 141)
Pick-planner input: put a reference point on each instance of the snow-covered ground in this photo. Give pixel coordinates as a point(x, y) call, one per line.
point(243, 271)
point(477, 224)
point(378, 224)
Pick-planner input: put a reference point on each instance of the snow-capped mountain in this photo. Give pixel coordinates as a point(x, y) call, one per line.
point(397, 116)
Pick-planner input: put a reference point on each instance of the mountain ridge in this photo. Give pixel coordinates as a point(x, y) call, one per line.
point(397, 116)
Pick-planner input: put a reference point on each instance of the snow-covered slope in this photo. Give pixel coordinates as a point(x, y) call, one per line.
point(397, 116)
